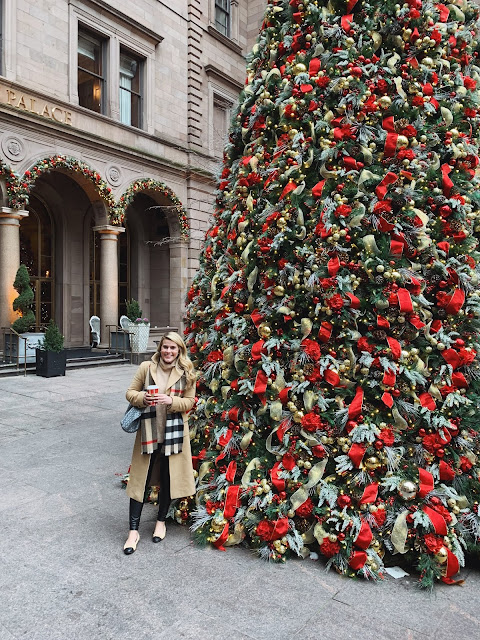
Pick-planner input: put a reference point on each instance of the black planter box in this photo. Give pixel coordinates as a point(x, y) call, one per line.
point(51, 364)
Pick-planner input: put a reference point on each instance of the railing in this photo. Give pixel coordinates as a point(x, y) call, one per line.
point(125, 346)
point(11, 346)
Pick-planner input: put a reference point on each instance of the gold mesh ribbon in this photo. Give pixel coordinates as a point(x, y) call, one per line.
point(400, 532)
point(314, 477)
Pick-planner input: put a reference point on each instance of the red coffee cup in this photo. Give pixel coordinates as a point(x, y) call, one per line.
point(152, 389)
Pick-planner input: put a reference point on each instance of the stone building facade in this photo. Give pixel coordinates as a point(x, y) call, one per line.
point(113, 117)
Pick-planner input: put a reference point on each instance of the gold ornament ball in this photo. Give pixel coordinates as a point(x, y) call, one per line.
point(299, 68)
point(279, 290)
point(384, 102)
point(372, 463)
point(407, 489)
point(218, 524)
point(264, 330)
point(442, 555)
point(297, 417)
point(402, 141)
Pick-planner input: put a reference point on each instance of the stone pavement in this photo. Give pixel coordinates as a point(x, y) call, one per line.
point(63, 575)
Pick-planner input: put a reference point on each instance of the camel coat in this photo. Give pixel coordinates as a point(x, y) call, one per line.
point(182, 482)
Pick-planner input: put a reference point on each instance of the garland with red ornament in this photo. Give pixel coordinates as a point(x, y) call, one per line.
point(14, 191)
point(18, 188)
point(148, 184)
point(70, 164)
point(335, 315)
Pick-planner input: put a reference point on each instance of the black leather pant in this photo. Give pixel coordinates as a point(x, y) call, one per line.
point(163, 495)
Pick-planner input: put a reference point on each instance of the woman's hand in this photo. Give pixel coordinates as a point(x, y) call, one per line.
point(164, 399)
point(150, 399)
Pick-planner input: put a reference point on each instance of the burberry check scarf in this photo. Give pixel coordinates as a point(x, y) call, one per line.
point(173, 426)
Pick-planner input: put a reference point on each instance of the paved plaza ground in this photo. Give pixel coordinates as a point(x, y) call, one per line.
point(63, 574)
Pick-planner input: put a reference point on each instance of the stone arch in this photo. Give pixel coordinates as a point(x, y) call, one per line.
point(176, 213)
point(159, 273)
point(90, 180)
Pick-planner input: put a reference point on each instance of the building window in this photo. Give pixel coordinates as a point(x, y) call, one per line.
point(2, 38)
point(36, 253)
point(221, 121)
point(130, 89)
point(91, 79)
point(222, 16)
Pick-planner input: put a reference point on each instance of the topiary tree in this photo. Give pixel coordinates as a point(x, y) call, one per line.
point(335, 315)
point(133, 310)
point(53, 338)
point(23, 303)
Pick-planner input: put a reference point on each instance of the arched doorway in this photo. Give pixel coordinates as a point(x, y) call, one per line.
point(54, 244)
point(148, 230)
point(37, 244)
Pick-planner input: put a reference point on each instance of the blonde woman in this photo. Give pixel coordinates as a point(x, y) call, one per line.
point(161, 456)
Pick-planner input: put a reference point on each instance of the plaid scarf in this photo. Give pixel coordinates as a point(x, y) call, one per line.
point(173, 426)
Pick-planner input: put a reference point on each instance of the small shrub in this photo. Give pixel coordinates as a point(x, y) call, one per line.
point(53, 338)
point(133, 310)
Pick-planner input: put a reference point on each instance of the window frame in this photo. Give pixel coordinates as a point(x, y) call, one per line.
point(141, 62)
point(225, 11)
point(104, 43)
point(220, 101)
point(223, 93)
point(119, 30)
point(2, 37)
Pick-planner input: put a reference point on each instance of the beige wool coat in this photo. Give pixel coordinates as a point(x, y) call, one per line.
point(182, 482)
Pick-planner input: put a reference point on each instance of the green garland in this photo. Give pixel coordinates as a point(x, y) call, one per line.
point(147, 184)
point(65, 162)
point(19, 188)
point(15, 190)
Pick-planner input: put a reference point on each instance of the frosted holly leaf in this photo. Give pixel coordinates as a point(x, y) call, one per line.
point(343, 464)
point(364, 433)
point(457, 548)
point(295, 541)
point(420, 519)
point(391, 483)
point(328, 493)
point(455, 400)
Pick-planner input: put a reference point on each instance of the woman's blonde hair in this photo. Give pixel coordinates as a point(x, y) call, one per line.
point(183, 361)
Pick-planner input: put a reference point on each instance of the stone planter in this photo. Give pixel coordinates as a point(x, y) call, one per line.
point(139, 333)
point(25, 350)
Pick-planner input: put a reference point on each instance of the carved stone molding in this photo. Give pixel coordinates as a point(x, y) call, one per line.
point(13, 147)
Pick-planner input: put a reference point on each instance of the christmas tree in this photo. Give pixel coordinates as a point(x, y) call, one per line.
point(335, 314)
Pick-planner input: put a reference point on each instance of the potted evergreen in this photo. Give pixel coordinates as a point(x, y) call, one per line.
point(25, 348)
point(51, 357)
point(138, 327)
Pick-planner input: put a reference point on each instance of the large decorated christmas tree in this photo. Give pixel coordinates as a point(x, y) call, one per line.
point(335, 316)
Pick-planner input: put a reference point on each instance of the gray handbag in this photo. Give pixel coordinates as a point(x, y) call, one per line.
point(131, 420)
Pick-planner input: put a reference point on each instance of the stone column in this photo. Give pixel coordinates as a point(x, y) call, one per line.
point(9, 260)
point(178, 283)
point(108, 278)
